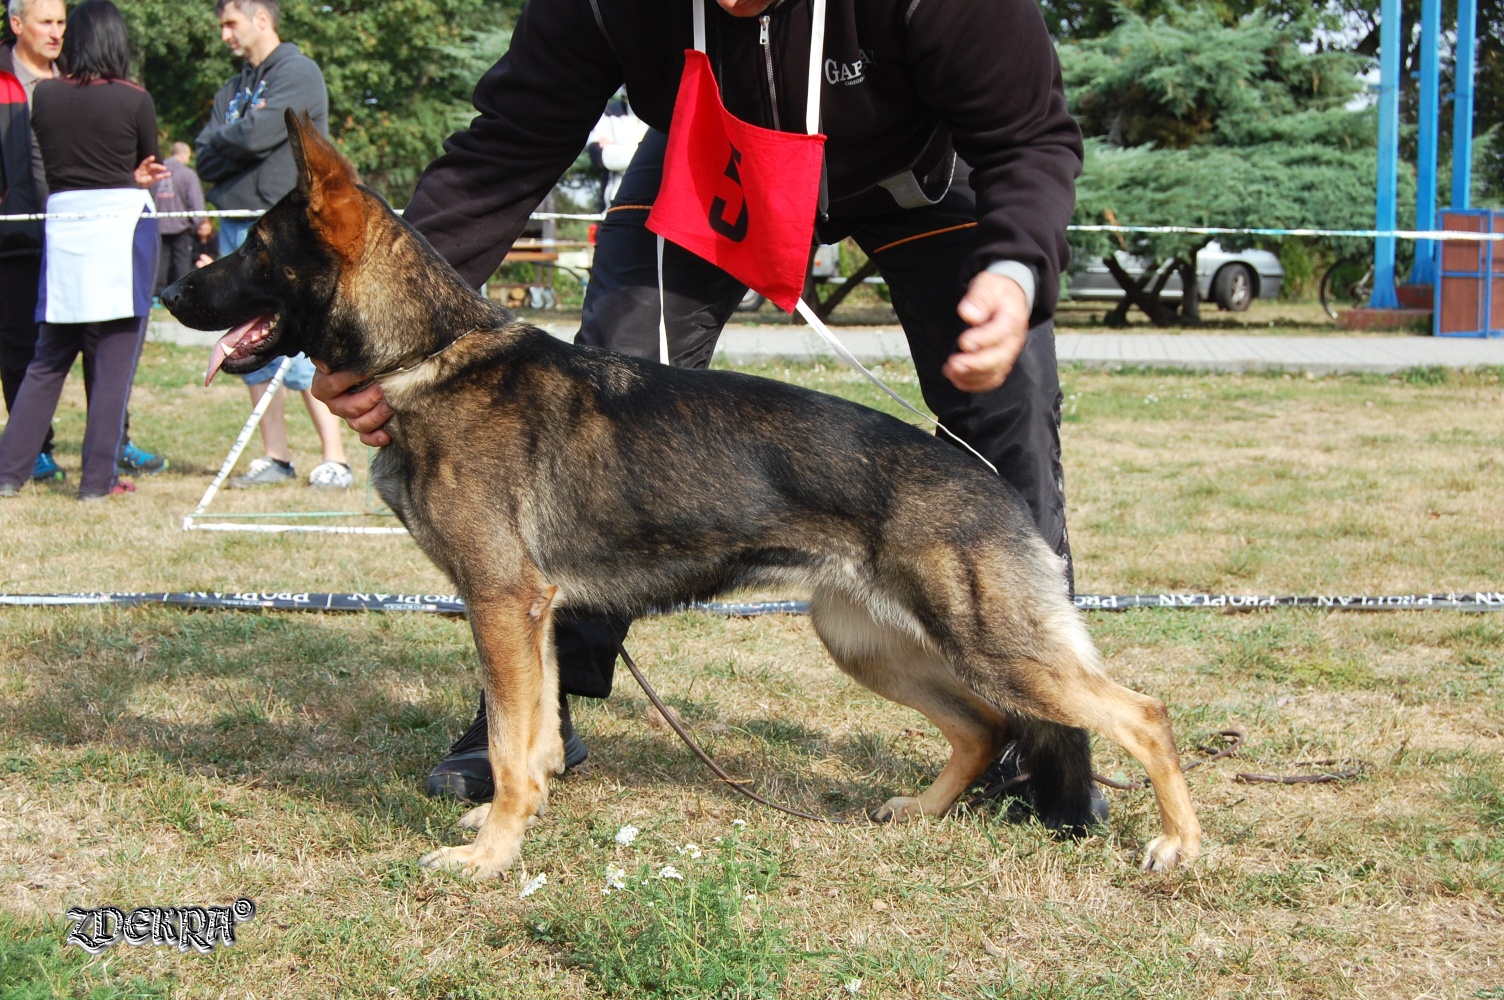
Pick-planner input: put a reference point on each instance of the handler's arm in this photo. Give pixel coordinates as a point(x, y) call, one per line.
point(537, 107)
point(1007, 113)
point(213, 165)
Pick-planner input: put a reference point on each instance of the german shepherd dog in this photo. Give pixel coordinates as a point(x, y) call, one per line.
point(541, 475)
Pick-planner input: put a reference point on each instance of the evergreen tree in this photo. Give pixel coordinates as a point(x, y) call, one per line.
point(1195, 120)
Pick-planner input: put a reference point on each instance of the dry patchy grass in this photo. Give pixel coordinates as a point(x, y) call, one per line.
point(152, 756)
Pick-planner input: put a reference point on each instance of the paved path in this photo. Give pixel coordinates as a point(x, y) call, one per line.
point(1204, 352)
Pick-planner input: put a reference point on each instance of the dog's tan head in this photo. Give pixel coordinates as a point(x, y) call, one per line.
point(329, 271)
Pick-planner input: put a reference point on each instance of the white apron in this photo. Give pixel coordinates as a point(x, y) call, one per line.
point(97, 268)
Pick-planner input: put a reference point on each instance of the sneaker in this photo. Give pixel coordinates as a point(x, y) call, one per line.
point(45, 470)
point(121, 488)
point(465, 772)
point(137, 462)
point(8, 491)
point(264, 471)
point(331, 476)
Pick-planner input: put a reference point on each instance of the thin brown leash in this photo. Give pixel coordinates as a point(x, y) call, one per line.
point(1234, 741)
point(399, 369)
point(1234, 738)
point(738, 784)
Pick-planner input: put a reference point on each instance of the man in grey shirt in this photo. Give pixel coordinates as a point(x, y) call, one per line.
point(243, 151)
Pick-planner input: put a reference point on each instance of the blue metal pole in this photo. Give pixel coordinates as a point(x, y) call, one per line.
point(1462, 110)
point(1384, 295)
point(1423, 271)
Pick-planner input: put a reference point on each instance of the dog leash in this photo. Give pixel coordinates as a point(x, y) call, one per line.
point(416, 364)
point(738, 784)
point(1233, 737)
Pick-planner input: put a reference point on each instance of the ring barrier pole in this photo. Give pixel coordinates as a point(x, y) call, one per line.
point(251, 423)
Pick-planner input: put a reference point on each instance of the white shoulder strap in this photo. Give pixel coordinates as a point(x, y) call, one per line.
point(816, 76)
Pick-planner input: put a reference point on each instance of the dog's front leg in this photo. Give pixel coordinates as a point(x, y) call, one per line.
point(514, 636)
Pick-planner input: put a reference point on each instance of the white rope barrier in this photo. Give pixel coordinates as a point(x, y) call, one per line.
point(282, 529)
point(1398, 234)
point(234, 213)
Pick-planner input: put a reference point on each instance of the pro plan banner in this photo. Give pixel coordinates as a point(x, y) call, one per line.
point(451, 604)
point(739, 196)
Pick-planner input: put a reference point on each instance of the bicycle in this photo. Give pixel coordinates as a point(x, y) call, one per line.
point(1347, 284)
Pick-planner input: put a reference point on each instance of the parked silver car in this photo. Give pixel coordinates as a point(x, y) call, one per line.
point(1230, 278)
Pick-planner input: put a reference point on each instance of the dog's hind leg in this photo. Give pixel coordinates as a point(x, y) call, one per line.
point(894, 664)
point(513, 635)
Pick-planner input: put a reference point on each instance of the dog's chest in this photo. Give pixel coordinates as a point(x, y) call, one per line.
point(389, 474)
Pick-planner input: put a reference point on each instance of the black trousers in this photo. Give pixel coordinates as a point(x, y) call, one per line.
point(111, 351)
point(175, 258)
point(921, 253)
point(19, 281)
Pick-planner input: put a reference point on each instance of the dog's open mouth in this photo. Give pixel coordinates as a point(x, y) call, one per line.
point(240, 343)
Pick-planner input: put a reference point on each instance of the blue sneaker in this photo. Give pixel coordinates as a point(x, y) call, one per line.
point(46, 470)
point(135, 461)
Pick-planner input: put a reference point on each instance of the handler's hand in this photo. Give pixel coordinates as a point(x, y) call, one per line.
point(365, 411)
point(998, 312)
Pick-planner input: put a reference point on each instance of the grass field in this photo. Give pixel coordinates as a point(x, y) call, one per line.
point(159, 757)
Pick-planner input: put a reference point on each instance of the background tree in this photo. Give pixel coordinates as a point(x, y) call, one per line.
point(400, 72)
point(1195, 119)
point(1350, 26)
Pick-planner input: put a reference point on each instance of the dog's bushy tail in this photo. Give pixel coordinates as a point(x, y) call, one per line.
point(1058, 758)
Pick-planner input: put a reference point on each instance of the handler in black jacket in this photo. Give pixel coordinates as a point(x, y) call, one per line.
point(950, 159)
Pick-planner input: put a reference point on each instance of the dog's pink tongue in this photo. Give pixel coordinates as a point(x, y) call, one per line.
point(226, 347)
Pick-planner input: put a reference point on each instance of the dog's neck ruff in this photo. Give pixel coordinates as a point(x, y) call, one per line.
point(423, 360)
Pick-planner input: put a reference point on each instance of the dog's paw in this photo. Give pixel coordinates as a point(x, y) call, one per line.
point(899, 809)
point(469, 860)
point(1165, 852)
point(549, 758)
point(475, 818)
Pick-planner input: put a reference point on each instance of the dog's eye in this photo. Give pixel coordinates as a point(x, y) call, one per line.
point(292, 274)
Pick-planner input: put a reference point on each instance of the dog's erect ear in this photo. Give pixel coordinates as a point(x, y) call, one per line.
point(326, 181)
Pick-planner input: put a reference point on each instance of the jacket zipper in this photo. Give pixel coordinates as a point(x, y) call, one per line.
point(767, 57)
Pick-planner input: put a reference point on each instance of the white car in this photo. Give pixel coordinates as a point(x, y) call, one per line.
point(1230, 278)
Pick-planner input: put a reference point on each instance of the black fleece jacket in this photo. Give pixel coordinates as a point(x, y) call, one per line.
point(908, 84)
point(18, 195)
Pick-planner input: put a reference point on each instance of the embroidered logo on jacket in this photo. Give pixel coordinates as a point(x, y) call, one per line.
point(847, 73)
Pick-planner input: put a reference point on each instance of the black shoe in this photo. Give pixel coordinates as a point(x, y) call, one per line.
point(1004, 780)
point(465, 771)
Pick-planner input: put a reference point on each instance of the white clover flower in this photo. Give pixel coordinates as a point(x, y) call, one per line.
point(616, 878)
point(692, 850)
point(750, 895)
point(738, 823)
point(537, 883)
point(626, 835)
point(853, 986)
point(669, 871)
